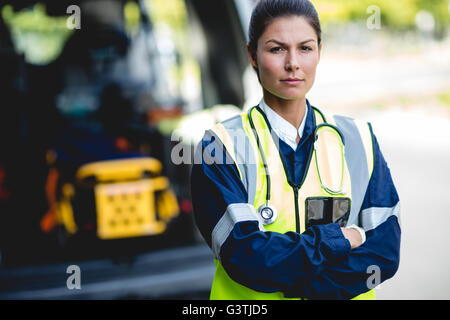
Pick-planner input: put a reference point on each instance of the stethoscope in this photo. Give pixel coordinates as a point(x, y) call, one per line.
point(267, 211)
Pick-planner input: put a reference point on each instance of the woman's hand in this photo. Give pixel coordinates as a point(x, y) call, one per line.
point(353, 236)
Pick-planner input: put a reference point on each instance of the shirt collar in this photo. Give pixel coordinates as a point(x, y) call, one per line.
point(283, 129)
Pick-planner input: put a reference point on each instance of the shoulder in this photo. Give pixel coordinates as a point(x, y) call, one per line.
point(345, 120)
point(232, 123)
point(358, 137)
point(227, 130)
point(350, 127)
point(217, 145)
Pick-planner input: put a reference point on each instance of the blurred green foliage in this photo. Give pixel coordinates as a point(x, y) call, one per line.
point(398, 14)
point(172, 15)
point(444, 97)
point(38, 36)
point(171, 12)
point(132, 17)
point(33, 19)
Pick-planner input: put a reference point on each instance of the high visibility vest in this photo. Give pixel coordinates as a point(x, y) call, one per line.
point(238, 139)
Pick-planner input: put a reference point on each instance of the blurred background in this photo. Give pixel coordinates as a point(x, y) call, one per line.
point(95, 95)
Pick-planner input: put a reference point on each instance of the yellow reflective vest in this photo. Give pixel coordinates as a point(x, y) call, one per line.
point(236, 133)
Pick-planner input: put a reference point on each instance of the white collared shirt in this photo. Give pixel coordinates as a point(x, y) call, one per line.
point(283, 129)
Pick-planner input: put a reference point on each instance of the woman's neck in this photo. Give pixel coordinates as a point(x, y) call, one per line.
point(292, 111)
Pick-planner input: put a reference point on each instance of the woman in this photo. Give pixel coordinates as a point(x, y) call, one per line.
point(286, 212)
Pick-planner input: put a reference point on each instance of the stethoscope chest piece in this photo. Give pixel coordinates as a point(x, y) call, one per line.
point(268, 213)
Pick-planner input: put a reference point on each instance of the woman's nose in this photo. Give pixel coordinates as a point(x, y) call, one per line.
point(292, 63)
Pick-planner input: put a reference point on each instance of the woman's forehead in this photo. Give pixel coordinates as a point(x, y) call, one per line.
point(289, 29)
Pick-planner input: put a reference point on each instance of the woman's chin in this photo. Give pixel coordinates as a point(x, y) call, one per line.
point(292, 97)
point(286, 93)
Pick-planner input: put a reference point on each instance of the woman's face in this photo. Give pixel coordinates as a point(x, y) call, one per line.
point(286, 58)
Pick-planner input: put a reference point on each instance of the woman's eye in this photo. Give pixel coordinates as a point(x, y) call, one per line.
point(306, 48)
point(275, 49)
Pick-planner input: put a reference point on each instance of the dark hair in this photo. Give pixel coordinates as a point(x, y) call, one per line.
point(267, 10)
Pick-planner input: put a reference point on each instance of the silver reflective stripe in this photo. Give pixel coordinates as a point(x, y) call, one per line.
point(373, 217)
point(355, 156)
point(245, 157)
point(236, 212)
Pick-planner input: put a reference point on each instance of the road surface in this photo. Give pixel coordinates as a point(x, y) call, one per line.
point(416, 146)
point(177, 273)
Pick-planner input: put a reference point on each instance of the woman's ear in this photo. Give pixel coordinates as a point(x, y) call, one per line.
point(252, 57)
point(320, 50)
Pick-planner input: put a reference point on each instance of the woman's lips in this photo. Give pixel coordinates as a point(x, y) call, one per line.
point(292, 81)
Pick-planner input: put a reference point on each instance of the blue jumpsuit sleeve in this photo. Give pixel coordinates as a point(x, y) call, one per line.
point(263, 261)
point(352, 274)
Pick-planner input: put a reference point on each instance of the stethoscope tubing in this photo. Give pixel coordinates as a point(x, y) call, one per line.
point(266, 167)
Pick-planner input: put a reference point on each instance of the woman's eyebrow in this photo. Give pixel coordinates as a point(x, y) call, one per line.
point(282, 44)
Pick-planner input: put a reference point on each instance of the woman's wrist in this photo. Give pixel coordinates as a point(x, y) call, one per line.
point(353, 236)
point(360, 230)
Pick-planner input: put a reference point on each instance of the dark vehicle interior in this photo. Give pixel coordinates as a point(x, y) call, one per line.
point(103, 97)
